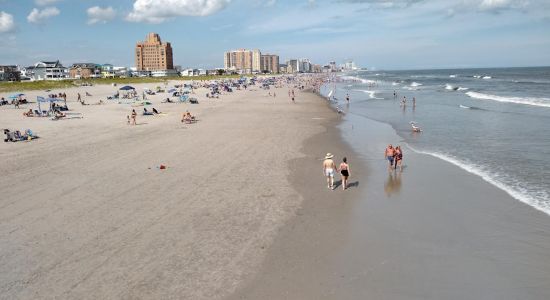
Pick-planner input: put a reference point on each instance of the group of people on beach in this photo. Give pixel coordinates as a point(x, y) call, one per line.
point(394, 157)
point(330, 169)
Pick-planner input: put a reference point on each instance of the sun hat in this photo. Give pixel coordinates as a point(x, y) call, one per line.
point(329, 155)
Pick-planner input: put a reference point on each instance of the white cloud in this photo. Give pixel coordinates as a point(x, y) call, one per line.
point(97, 14)
point(39, 16)
point(158, 11)
point(45, 2)
point(6, 22)
point(495, 6)
point(498, 5)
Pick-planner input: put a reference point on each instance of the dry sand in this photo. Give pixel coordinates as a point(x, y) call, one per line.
point(86, 214)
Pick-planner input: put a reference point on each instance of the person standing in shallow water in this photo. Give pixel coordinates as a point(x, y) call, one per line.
point(398, 158)
point(388, 154)
point(329, 167)
point(345, 172)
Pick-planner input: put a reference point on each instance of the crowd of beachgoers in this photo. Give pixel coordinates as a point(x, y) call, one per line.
point(58, 106)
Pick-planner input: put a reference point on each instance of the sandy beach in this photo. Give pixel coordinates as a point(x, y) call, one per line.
point(87, 214)
point(242, 210)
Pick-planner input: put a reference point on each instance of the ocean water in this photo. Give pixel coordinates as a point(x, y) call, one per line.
point(493, 123)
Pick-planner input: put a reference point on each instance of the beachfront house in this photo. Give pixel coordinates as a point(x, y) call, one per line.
point(189, 72)
point(164, 73)
point(9, 73)
point(85, 70)
point(47, 70)
point(107, 71)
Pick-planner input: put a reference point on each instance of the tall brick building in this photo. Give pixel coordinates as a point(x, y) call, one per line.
point(153, 55)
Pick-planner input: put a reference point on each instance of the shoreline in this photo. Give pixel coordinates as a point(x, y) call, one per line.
point(413, 235)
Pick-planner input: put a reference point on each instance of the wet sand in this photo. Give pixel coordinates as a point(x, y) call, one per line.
point(85, 212)
point(431, 232)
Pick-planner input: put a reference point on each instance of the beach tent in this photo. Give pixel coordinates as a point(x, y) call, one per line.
point(46, 100)
point(126, 88)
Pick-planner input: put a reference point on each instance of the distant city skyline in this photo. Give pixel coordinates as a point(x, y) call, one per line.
point(401, 34)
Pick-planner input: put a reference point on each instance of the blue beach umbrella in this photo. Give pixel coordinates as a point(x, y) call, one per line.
point(15, 96)
point(126, 88)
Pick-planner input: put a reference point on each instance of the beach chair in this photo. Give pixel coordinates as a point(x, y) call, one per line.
point(184, 98)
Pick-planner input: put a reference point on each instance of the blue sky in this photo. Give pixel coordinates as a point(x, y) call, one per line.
point(400, 34)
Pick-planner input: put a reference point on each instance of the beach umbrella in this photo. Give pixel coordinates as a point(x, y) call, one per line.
point(126, 88)
point(15, 96)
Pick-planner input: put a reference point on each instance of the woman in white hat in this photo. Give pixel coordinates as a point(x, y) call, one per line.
point(328, 170)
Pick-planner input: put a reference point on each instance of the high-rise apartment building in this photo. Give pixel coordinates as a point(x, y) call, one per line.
point(154, 55)
point(242, 60)
point(269, 63)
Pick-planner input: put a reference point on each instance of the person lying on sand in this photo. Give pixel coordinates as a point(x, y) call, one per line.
point(59, 115)
point(28, 113)
point(146, 112)
point(188, 118)
point(16, 135)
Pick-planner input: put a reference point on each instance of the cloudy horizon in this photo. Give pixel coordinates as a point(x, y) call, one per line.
point(400, 34)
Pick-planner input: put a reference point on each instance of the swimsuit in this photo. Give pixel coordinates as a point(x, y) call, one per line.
point(344, 173)
point(329, 172)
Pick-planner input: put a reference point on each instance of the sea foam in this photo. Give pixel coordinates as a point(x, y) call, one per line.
point(539, 200)
point(543, 102)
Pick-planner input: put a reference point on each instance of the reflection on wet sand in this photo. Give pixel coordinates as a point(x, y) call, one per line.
point(393, 183)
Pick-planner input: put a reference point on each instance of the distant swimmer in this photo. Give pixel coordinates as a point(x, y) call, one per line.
point(404, 102)
point(415, 128)
point(414, 101)
point(347, 98)
point(394, 94)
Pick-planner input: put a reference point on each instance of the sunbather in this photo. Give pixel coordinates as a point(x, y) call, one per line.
point(28, 113)
point(155, 111)
point(188, 118)
point(59, 115)
point(146, 112)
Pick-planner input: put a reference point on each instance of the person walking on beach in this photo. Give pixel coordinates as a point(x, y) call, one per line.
point(328, 170)
point(79, 98)
point(398, 158)
point(388, 154)
point(414, 102)
point(134, 115)
point(345, 172)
